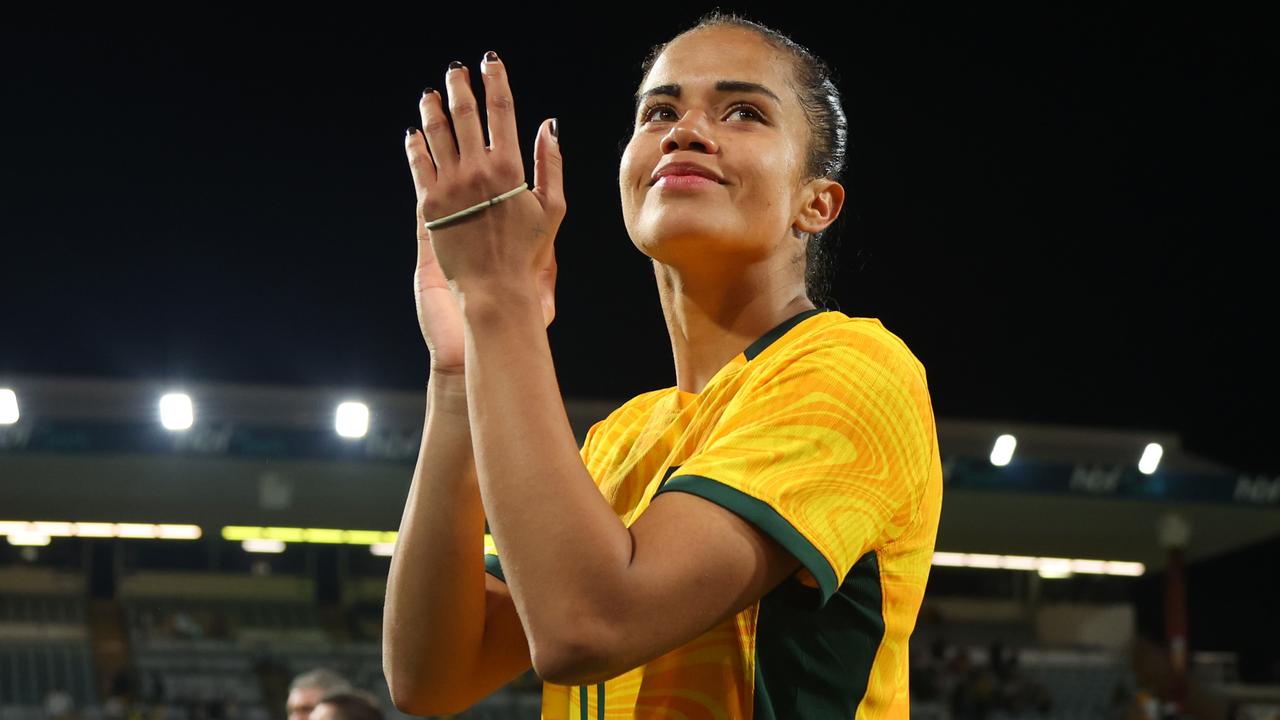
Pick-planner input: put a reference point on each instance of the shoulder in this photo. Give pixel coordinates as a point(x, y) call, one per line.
point(632, 413)
point(850, 346)
point(639, 406)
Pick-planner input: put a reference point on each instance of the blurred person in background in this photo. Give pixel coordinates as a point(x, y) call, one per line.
point(349, 704)
point(307, 689)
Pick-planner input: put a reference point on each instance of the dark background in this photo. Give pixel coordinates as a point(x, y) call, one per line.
point(1060, 211)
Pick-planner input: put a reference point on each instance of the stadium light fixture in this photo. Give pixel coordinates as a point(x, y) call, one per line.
point(53, 529)
point(352, 420)
point(142, 531)
point(1055, 568)
point(97, 529)
point(178, 532)
point(1047, 567)
point(176, 412)
point(30, 538)
point(263, 545)
point(1002, 451)
point(8, 406)
point(1151, 458)
point(327, 536)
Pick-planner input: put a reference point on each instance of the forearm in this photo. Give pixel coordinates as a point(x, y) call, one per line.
point(433, 620)
point(562, 545)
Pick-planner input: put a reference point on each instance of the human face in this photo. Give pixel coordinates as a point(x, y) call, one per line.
point(301, 702)
point(753, 139)
point(325, 711)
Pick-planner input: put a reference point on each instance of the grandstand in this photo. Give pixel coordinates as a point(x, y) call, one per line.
point(199, 569)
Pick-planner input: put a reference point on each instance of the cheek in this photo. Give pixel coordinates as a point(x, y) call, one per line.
point(769, 187)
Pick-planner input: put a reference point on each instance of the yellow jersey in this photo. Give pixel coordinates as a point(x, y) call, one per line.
point(821, 434)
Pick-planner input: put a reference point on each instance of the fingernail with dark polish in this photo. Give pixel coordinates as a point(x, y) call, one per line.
point(555, 128)
point(455, 64)
point(427, 90)
point(409, 131)
point(491, 56)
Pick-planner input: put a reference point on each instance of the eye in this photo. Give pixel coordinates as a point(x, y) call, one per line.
point(648, 110)
point(647, 113)
point(747, 108)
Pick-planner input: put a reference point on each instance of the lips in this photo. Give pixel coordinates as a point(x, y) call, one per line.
point(685, 168)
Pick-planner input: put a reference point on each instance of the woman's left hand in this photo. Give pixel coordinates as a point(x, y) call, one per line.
point(507, 247)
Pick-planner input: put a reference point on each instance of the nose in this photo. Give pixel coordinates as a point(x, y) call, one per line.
point(690, 133)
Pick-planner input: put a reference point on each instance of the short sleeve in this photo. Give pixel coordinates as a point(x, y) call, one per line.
point(827, 452)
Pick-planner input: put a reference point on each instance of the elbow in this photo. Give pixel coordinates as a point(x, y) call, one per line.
point(413, 698)
point(574, 658)
point(405, 697)
point(422, 704)
point(406, 703)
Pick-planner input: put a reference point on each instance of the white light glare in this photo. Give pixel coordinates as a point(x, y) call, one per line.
point(352, 420)
point(382, 549)
point(176, 412)
point(1047, 567)
point(263, 545)
point(1150, 458)
point(1002, 452)
point(1055, 568)
point(178, 532)
point(28, 537)
point(8, 407)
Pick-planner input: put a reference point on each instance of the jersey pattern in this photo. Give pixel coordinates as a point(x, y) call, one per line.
point(821, 434)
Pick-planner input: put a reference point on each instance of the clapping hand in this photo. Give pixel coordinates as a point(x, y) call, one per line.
point(504, 248)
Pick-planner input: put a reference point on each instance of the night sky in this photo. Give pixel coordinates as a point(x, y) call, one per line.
point(1061, 212)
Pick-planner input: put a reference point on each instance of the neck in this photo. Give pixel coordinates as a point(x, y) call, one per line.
point(715, 314)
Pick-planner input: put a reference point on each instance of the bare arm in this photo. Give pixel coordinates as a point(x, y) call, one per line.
point(437, 656)
point(451, 634)
point(596, 598)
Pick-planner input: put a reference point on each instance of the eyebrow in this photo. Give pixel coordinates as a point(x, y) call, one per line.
point(673, 89)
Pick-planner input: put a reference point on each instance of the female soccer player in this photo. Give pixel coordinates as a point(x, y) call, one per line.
point(751, 543)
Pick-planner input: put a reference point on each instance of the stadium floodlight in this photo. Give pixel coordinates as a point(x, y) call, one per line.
point(53, 529)
point(178, 532)
point(1055, 568)
point(1129, 569)
point(8, 406)
point(1150, 458)
point(28, 538)
point(1047, 567)
point(144, 531)
point(263, 545)
point(352, 420)
point(95, 529)
point(1002, 451)
point(325, 535)
point(176, 412)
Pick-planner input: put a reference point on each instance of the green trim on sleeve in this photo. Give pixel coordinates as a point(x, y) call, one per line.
point(760, 514)
point(493, 566)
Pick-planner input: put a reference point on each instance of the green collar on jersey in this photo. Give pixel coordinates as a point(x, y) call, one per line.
point(768, 338)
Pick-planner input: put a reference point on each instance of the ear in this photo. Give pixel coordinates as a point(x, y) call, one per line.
point(824, 198)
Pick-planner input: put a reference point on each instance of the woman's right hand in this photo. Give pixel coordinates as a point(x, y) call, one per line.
point(439, 314)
